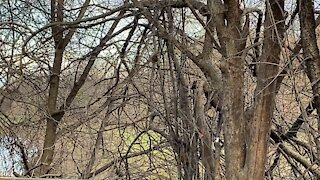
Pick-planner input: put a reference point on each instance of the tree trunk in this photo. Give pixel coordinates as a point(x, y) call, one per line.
point(311, 54)
point(205, 137)
point(260, 123)
point(229, 30)
point(53, 116)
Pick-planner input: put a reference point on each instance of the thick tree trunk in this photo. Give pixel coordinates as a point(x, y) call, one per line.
point(311, 54)
point(233, 92)
point(227, 21)
point(260, 123)
point(246, 158)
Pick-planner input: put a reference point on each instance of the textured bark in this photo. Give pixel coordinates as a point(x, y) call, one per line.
point(228, 27)
point(311, 54)
point(260, 123)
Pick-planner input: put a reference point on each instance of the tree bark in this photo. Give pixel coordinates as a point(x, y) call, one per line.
point(260, 124)
point(311, 54)
point(228, 25)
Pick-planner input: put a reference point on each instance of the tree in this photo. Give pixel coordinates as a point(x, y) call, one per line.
point(192, 89)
